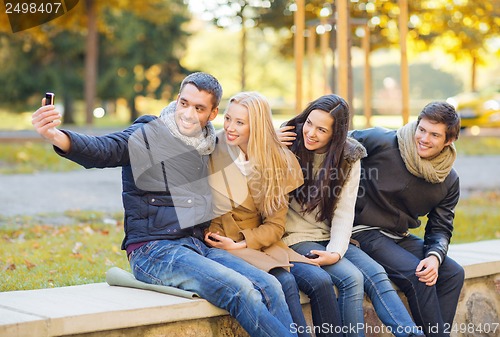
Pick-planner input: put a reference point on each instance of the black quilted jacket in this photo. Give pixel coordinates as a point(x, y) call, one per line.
point(392, 198)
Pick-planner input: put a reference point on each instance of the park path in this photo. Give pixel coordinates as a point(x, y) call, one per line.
point(100, 189)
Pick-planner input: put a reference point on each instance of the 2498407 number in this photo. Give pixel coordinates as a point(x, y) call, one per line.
point(471, 327)
point(33, 8)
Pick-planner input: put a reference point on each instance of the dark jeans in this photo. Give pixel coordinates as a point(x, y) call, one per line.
point(292, 297)
point(355, 274)
point(432, 307)
point(317, 284)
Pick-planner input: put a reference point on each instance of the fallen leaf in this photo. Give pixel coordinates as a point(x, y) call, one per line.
point(11, 266)
point(29, 265)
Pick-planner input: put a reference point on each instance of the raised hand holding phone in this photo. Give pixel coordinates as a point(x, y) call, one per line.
point(46, 119)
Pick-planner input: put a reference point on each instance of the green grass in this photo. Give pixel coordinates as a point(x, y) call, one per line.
point(478, 146)
point(31, 157)
point(476, 218)
point(15, 121)
point(36, 254)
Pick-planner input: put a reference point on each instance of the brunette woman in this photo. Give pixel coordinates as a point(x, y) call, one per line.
point(321, 213)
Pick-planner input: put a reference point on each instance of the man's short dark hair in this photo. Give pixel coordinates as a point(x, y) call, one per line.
point(205, 82)
point(442, 112)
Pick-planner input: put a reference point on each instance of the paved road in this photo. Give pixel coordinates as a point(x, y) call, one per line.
point(95, 189)
point(100, 189)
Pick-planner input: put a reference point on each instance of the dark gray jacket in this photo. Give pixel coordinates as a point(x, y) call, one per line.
point(392, 198)
point(165, 189)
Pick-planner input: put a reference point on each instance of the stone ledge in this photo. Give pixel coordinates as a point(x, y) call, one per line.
point(99, 309)
point(478, 258)
point(93, 307)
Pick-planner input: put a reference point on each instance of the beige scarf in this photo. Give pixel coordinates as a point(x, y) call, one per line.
point(204, 143)
point(433, 170)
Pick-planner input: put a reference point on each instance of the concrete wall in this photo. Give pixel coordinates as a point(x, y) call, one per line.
point(477, 316)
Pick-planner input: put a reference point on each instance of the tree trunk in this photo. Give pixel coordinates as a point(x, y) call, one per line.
point(133, 110)
point(350, 81)
point(243, 52)
point(473, 72)
point(333, 69)
point(91, 60)
point(69, 115)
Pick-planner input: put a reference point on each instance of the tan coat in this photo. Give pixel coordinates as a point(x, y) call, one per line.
point(239, 218)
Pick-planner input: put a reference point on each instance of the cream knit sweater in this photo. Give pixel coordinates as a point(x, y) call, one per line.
point(304, 227)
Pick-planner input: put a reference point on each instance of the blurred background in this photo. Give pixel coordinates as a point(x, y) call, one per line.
point(109, 62)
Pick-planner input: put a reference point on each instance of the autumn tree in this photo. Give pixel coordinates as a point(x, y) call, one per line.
point(30, 68)
point(243, 14)
point(140, 57)
point(462, 28)
point(87, 23)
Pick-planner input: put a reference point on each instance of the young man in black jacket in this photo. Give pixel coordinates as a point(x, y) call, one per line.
point(407, 174)
point(167, 203)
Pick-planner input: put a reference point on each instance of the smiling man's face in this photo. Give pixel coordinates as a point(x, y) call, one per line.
point(193, 110)
point(430, 138)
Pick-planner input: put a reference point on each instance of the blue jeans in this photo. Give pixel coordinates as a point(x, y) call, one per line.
point(292, 297)
point(318, 286)
point(252, 296)
point(432, 307)
point(355, 274)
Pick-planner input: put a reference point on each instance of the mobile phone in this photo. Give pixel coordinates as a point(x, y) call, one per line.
point(49, 98)
point(311, 255)
point(212, 238)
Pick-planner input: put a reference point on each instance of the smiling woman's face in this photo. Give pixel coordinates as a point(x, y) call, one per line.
point(237, 126)
point(318, 131)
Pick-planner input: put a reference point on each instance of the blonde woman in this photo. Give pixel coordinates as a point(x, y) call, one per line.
point(251, 176)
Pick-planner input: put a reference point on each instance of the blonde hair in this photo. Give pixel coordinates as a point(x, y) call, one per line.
point(270, 159)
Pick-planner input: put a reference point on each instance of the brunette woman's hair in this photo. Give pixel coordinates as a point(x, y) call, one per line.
point(322, 191)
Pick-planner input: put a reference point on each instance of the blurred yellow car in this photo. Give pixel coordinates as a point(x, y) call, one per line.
point(480, 108)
